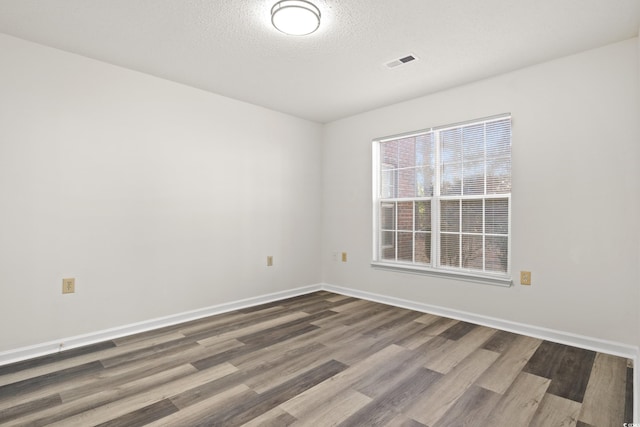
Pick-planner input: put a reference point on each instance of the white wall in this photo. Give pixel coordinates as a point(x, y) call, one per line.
point(158, 198)
point(638, 180)
point(576, 202)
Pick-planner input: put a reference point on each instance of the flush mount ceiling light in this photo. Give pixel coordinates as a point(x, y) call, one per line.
point(295, 17)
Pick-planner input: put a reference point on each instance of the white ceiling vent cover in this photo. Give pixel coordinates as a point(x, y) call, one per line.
point(401, 61)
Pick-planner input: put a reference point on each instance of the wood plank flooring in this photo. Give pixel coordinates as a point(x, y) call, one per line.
point(320, 359)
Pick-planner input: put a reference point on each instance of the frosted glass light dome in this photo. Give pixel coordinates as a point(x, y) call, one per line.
point(295, 17)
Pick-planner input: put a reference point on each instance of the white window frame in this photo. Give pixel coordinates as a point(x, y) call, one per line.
point(498, 279)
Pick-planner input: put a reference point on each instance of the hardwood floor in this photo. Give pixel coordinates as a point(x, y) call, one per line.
point(317, 360)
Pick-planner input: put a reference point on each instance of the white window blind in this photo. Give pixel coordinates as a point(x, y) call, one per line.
point(442, 198)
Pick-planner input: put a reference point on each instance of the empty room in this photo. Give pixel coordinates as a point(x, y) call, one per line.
point(319, 213)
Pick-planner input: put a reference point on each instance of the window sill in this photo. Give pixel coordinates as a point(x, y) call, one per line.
point(503, 281)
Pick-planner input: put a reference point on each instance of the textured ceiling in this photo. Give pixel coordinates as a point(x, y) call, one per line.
point(229, 46)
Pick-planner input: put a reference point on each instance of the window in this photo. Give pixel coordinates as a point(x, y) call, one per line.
point(442, 200)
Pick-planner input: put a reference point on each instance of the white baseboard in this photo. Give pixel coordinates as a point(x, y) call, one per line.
point(68, 343)
point(575, 340)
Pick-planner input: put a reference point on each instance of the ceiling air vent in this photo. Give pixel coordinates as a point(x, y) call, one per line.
point(401, 61)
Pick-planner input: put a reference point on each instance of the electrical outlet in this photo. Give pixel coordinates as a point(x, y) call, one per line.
point(525, 278)
point(344, 257)
point(68, 286)
point(269, 261)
